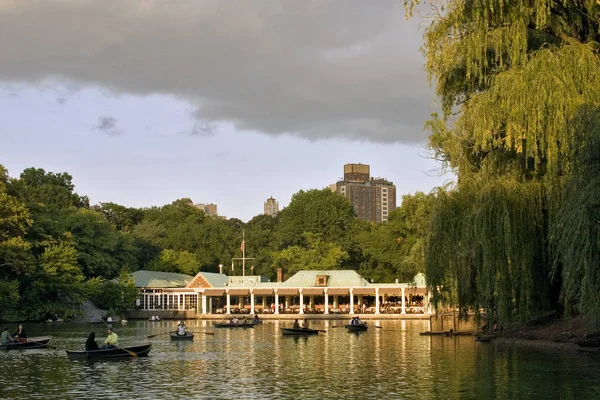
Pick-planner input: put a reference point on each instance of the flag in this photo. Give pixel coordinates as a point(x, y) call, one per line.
point(233, 269)
point(252, 268)
point(243, 246)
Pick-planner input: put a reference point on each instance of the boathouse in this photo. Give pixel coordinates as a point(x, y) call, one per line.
point(306, 292)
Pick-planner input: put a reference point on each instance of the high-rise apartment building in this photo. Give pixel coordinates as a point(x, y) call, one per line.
point(373, 199)
point(271, 206)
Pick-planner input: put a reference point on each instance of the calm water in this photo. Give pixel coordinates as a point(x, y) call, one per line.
point(389, 363)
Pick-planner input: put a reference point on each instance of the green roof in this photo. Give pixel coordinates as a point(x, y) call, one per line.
point(341, 278)
point(160, 279)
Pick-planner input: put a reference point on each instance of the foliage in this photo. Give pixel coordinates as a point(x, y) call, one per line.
point(182, 262)
point(514, 81)
point(315, 255)
point(121, 217)
point(316, 211)
point(116, 295)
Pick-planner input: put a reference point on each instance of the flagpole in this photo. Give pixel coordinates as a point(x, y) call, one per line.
point(244, 255)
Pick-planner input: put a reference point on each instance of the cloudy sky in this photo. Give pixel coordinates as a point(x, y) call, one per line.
point(225, 102)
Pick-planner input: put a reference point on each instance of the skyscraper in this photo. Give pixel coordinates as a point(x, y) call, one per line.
point(373, 199)
point(271, 207)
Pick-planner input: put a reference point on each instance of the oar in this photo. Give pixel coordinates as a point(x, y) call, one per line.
point(40, 343)
point(320, 330)
point(378, 327)
point(338, 326)
point(158, 334)
point(206, 333)
point(131, 353)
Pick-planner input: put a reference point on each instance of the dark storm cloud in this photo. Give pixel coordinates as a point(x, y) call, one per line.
point(322, 69)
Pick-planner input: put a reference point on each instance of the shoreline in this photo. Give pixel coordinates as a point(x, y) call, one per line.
point(557, 333)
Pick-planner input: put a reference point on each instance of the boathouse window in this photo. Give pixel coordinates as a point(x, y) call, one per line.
point(321, 280)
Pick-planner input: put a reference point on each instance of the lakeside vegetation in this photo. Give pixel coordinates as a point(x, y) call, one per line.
point(519, 84)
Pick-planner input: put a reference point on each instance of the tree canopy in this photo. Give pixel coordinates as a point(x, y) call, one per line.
point(519, 88)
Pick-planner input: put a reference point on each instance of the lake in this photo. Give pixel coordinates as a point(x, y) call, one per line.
point(393, 362)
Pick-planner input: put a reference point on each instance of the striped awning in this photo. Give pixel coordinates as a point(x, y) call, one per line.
point(338, 291)
point(214, 292)
point(287, 292)
point(312, 292)
point(239, 292)
point(263, 291)
point(363, 291)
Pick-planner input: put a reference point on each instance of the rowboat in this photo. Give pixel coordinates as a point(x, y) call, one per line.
point(103, 321)
point(31, 343)
point(140, 350)
point(187, 336)
point(299, 331)
point(54, 321)
point(228, 325)
point(357, 328)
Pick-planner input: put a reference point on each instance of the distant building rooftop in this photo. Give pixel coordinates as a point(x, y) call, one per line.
point(160, 279)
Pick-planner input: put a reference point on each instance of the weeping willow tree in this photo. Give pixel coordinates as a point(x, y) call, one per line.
point(519, 85)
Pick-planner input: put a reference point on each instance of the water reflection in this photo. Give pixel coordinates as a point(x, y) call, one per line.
point(391, 362)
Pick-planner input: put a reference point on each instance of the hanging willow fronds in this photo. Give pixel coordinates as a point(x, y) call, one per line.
point(576, 228)
point(485, 250)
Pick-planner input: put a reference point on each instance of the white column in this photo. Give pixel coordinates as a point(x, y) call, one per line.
point(377, 301)
point(301, 303)
point(403, 303)
point(264, 301)
point(228, 303)
point(427, 303)
point(287, 301)
point(326, 303)
point(311, 302)
point(276, 303)
point(210, 305)
point(251, 302)
point(351, 301)
point(204, 304)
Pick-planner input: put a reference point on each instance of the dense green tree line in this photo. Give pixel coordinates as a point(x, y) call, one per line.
point(519, 84)
point(56, 250)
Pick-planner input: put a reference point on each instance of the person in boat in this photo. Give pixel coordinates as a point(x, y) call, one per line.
point(181, 329)
point(112, 340)
point(296, 324)
point(357, 321)
point(234, 321)
point(109, 319)
point(20, 335)
point(305, 324)
point(55, 317)
point(5, 337)
point(153, 317)
point(90, 343)
point(256, 319)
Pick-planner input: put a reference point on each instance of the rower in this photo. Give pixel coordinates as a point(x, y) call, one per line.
point(181, 329)
point(5, 336)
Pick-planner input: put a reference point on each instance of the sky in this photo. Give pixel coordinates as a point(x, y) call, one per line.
point(226, 102)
